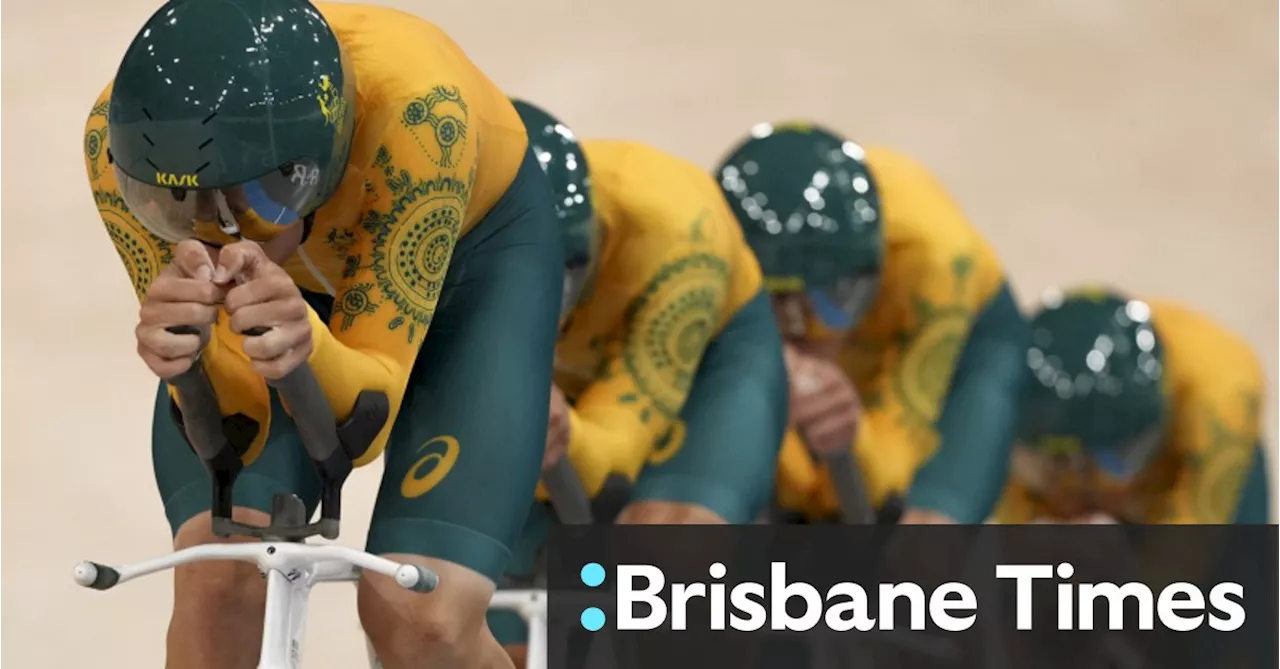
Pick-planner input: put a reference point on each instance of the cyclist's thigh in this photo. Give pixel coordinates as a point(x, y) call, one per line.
point(723, 451)
point(466, 450)
point(185, 488)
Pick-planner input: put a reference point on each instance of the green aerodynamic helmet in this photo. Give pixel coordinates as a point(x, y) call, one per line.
point(233, 116)
point(1096, 386)
point(560, 155)
point(809, 208)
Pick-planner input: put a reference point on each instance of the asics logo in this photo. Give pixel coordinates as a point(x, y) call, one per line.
point(436, 457)
point(669, 445)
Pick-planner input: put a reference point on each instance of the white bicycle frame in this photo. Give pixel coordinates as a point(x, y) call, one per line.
point(291, 569)
point(532, 606)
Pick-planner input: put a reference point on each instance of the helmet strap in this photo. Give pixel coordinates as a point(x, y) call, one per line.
point(307, 221)
point(226, 219)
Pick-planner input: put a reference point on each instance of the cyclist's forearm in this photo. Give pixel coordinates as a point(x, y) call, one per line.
point(344, 371)
point(964, 478)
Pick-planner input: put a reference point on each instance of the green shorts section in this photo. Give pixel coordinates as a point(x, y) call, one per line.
point(965, 477)
point(734, 420)
point(466, 450)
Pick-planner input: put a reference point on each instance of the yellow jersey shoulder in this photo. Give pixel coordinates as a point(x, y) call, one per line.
point(933, 253)
point(398, 56)
point(667, 235)
point(1209, 367)
point(654, 207)
point(639, 185)
point(1198, 348)
point(916, 210)
point(1216, 384)
point(409, 71)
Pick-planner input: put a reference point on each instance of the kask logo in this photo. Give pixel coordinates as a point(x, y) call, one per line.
point(177, 180)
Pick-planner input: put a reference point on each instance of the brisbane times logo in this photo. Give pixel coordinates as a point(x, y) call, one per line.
point(643, 599)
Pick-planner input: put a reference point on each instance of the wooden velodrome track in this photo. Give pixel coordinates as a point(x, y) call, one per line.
point(1132, 142)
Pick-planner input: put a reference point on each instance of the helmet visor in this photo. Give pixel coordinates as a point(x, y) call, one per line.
point(258, 209)
point(1119, 461)
point(842, 305)
point(1123, 462)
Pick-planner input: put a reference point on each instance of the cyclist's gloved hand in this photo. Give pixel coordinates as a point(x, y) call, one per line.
point(183, 294)
point(824, 404)
point(557, 429)
point(263, 296)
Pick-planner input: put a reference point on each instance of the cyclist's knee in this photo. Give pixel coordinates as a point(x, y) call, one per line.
point(661, 512)
point(217, 587)
point(411, 629)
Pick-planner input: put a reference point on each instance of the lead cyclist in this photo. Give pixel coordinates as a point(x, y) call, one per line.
point(345, 178)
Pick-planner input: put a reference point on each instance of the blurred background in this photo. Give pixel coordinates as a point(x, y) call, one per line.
point(1132, 142)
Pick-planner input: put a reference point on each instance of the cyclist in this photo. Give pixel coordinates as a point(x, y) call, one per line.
point(1146, 412)
point(344, 176)
point(904, 341)
point(1136, 411)
point(669, 367)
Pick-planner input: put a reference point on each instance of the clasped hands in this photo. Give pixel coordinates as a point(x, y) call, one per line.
point(258, 295)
